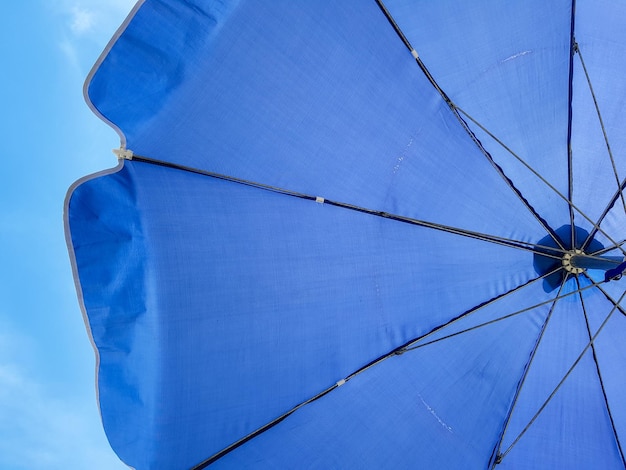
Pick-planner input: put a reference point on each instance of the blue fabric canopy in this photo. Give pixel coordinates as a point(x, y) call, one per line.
point(359, 235)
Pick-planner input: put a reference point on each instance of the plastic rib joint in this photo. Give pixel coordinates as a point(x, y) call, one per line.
point(123, 153)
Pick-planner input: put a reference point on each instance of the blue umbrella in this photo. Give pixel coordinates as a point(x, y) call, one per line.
point(359, 235)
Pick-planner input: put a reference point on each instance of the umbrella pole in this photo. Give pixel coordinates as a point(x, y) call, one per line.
point(593, 262)
point(576, 262)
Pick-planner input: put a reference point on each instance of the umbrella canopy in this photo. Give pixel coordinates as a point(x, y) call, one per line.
point(359, 235)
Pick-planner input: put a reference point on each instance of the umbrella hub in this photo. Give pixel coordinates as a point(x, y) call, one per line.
point(566, 262)
point(576, 262)
point(570, 251)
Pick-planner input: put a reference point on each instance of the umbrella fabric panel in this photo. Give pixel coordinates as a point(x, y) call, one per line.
point(297, 294)
point(435, 407)
point(222, 306)
point(109, 257)
point(148, 60)
point(574, 430)
point(610, 355)
point(506, 64)
point(601, 41)
point(318, 98)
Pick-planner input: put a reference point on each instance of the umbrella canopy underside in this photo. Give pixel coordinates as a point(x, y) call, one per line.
point(343, 238)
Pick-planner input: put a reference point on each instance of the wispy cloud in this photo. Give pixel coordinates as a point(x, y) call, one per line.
point(41, 427)
point(81, 20)
point(86, 26)
point(91, 17)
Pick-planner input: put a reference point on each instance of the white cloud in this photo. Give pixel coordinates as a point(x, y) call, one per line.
point(95, 20)
point(38, 430)
point(40, 426)
point(84, 28)
point(82, 20)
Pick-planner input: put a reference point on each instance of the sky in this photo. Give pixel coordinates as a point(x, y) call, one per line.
point(49, 417)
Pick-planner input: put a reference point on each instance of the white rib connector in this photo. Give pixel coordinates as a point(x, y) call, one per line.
point(123, 153)
point(319, 200)
point(415, 54)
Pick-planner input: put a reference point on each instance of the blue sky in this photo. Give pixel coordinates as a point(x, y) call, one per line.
point(48, 412)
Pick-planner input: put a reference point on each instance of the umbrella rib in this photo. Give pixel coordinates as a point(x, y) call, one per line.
point(544, 250)
point(262, 429)
point(607, 209)
point(496, 320)
point(570, 95)
point(608, 248)
point(557, 388)
point(455, 110)
point(599, 372)
point(542, 179)
point(409, 346)
point(496, 456)
point(414, 53)
point(457, 231)
point(621, 309)
point(606, 138)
